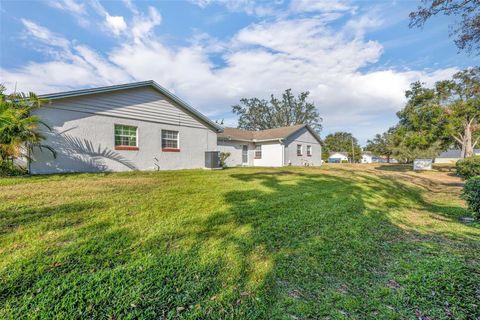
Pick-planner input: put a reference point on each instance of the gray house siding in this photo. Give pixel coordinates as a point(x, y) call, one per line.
point(83, 133)
point(305, 138)
point(144, 103)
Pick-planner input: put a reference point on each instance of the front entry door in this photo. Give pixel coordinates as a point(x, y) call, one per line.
point(244, 154)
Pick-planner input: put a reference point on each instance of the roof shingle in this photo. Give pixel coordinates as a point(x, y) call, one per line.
point(455, 153)
point(269, 134)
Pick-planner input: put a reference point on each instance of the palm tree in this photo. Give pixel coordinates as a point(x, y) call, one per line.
point(19, 129)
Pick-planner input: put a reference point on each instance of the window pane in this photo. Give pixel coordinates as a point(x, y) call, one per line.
point(125, 135)
point(258, 151)
point(170, 139)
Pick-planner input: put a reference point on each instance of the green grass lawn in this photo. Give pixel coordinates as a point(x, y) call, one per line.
point(335, 242)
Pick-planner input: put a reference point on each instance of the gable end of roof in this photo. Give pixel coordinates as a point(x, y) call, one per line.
point(150, 83)
point(265, 135)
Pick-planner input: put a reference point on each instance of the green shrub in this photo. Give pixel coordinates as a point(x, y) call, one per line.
point(223, 158)
point(471, 193)
point(8, 168)
point(344, 161)
point(469, 167)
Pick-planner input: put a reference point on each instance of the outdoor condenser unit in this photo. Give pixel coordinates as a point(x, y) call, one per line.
point(212, 159)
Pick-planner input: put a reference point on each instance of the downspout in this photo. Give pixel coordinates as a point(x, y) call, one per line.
point(283, 151)
point(29, 162)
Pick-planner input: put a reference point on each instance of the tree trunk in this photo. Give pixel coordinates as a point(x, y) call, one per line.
point(467, 148)
point(388, 158)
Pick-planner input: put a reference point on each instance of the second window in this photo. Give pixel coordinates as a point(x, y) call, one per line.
point(170, 139)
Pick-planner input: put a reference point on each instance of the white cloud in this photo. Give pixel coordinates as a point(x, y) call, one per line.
point(115, 23)
point(76, 9)
point(321, 6)
point(143, 25)
point(260, 59)
point(68, 5)
point(44, 35)
point(250, 7)
point(83, 13)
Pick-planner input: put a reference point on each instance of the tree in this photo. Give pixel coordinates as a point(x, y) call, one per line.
point(407, 152)
point(19, 132)
point(381, 145)
point(259, 114)
point(444, 115)
point(343, 142)
point(467, 32)
point(422, 121)
point(460, 98)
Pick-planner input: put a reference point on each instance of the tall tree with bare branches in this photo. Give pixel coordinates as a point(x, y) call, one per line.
point(467, 30)
point(444, 115)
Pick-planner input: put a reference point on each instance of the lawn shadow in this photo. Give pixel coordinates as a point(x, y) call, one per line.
point(13, 218)
point(283, 244)
point(324, 232)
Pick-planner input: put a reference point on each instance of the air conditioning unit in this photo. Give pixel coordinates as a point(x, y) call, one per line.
point(212, 160)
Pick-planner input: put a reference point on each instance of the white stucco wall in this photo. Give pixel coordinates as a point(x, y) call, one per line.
point(272, 155)
point(367, 158)
point(235, 149)
point(339, 156)
point(84, 141)
point(305, 138)
point(446, 160)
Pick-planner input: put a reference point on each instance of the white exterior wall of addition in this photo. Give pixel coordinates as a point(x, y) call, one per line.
point(83, 134)
point(272, 155)
point(235, 150)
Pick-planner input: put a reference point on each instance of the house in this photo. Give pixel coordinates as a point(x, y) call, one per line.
point(135, 126)
point(452, 156)
point(338, 157)
point(367, 157)
point(297, 145)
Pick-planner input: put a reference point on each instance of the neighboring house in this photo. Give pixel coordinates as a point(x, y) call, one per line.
point(136, 126)
point(338, 157)
point(367, 157)
point(297, 145)
point(452, 156)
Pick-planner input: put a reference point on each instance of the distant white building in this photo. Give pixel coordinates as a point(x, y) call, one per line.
point(367, 157)
point(338, 157)
point(452, 156)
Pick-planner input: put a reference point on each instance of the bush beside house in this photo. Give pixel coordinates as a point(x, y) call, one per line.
point(19, 130)
point(223, 158)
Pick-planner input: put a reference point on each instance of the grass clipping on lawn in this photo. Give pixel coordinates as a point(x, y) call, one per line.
point(360, 241)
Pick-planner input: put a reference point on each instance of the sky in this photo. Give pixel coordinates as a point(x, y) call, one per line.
point(356, 58)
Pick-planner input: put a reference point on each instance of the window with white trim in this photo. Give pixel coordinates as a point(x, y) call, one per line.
point(125, 136)
point(309, 151)
point(170, 139)
point(299, 150)
point(258, 151)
